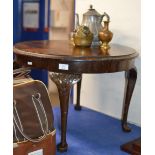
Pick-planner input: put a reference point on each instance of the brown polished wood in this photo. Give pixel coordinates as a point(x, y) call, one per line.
point(80, 60)
point(133, 147)
point(64, 100)
point(77, 106)
point(64, 83)
point(49, 54)
point(27, 147)
point(131, 77)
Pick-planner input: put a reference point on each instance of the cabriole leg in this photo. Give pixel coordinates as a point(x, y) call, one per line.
point(64, 83)
point(131, 77)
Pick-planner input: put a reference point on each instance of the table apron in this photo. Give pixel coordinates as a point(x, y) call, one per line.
point(76, 67)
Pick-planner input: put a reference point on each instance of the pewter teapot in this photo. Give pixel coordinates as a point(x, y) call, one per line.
point(92, 19)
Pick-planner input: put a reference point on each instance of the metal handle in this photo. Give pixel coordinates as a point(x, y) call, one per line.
point(76, 21)
point(107, 16)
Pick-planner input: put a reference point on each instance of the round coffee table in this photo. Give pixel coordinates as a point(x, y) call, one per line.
point(67, 63)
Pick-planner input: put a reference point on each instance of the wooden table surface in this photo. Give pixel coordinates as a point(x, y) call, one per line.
point(80, 60)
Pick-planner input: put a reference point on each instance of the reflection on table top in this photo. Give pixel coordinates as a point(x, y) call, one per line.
point(65, 49)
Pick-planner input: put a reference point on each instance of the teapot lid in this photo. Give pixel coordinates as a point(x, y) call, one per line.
point(91, 12)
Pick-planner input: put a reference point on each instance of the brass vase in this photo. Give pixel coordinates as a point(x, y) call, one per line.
point(105, 35)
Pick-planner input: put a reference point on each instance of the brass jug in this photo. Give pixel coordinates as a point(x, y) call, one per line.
point(105, 35)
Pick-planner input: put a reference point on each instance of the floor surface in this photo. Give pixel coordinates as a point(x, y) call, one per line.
point(93, 133)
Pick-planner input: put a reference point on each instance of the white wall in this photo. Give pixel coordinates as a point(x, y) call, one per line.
point(104, 92)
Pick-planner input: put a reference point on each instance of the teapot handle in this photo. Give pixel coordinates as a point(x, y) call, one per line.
point(76, 21)
point(107, 16)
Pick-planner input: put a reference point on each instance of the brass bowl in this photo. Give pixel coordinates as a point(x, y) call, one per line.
point(84, 42)
point(82, 37)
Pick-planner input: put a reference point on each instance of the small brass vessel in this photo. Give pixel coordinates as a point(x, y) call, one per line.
point(105, 35)
point(82, 36)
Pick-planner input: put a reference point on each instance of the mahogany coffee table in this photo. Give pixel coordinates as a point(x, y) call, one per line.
point(67, 63)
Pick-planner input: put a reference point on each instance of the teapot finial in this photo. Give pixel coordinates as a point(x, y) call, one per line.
point(91, 6)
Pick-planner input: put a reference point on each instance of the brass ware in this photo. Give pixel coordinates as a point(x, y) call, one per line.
point(89, 52)
point(93, 20)
point(105, 35)
point(82, 36)
point(105, 51)
point(82, 51)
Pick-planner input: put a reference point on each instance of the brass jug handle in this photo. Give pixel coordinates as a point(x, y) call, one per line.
point(107, 16)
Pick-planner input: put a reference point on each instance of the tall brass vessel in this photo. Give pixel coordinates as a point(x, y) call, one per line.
point(105, 35)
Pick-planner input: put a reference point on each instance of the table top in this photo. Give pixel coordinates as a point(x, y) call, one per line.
point(64, 52)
